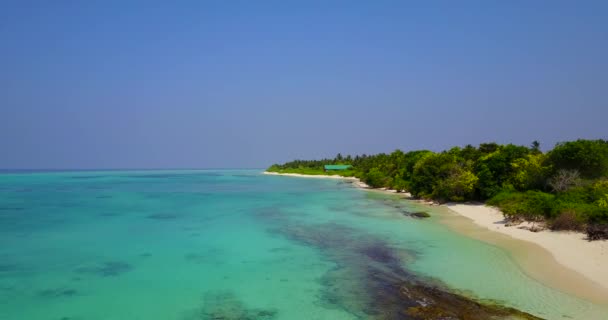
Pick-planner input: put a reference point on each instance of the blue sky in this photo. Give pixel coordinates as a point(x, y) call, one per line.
point(205, 84)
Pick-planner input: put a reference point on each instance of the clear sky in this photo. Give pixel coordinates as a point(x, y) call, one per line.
point(249, 83)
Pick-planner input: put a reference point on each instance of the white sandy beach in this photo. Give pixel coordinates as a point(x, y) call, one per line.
point(570, 249)
point(356, 181)
point(309, 175)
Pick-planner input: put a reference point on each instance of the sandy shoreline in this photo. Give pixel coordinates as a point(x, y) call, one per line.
point(355, 181)
point(564, 260)
point(358, 183)
point(570, 249)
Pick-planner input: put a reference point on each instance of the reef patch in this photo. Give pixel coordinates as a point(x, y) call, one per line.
point(226, 306)
point(371, 281)
point(163, 216)
point(57, 293)
point(107, 269)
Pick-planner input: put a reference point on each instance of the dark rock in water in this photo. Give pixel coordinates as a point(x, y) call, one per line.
point(226, 306)
point(196, 257)
point(109, 214)
point(417, 214)
point(420, 214)
point(209, 256)
point(8, 268)
point(163, 216)
point(11, 208)
point(114, 268)
point(86, 177)
point(280, 249)
point(107, 269)
point(274, 213)
point(440, 304)
point(57, 293)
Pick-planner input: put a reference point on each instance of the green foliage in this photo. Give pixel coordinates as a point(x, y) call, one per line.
point(598, 216)
point(603, 202)
point(310, 171)
point(567, 186)
point(529, 205)
point(589, 157)
point(375, 178)
point(399, 184)
point(458, 186)
point(575, 207)
point(529, 173)
point(429, 171)
point(495, 169)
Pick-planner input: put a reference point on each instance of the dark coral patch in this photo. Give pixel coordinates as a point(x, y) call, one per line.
point(107, 269)
point(370, 280)
point(163, 216)
point(226, 306)
point(5, 267)
point(57, 293)
point(109, 214)
point(380, 254)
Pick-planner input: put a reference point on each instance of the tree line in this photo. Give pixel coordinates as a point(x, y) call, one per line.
point(567, 186)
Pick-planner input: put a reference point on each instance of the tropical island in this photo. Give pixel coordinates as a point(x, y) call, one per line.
point(556, 200)
point(565, 188)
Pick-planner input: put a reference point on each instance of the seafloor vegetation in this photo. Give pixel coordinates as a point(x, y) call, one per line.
point(566, 187)
point(370, 280)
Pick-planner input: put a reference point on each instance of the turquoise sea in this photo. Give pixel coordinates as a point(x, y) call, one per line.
point(236, 244)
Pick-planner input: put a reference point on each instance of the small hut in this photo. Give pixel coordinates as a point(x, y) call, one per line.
point(336, 167)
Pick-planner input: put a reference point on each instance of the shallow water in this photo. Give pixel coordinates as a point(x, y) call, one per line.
point(236, 244)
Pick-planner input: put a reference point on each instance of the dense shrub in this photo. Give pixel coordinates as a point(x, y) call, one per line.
point(597, 215)
point(431, 170)
point(458, 186)
point(496, 169)
point(376, 178)
point(529, 205)
point(589, 157)
point(529, 173)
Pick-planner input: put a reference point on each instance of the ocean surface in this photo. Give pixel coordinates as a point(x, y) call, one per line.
point(236, 244)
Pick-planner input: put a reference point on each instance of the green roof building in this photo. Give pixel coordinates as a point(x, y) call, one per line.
point(336, 167)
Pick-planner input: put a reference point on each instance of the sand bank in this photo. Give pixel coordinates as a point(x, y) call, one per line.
point(355, 181)
point(570, 249)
